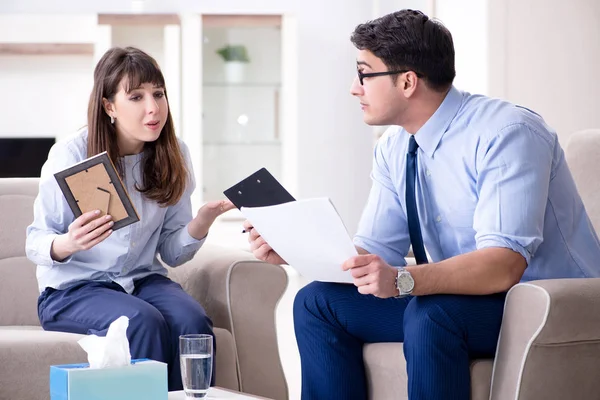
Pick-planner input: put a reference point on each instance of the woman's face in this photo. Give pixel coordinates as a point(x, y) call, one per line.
point(139, 114)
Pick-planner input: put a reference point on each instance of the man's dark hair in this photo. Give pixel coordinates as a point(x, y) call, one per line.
point(408, 39)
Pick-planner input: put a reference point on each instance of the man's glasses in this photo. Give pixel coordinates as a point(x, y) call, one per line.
point(361, 76)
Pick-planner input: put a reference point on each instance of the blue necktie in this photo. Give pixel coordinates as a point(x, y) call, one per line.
point(414, 230)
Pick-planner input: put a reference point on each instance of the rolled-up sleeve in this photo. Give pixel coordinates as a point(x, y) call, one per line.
point(514, 169)
point(176, 246)
point(383, 229)
point(51, 212)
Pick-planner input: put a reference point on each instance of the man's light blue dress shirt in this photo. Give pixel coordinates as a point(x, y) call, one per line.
point(490, 174)
point(129, 253)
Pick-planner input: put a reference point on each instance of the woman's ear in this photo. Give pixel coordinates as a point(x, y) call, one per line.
point(108, 107)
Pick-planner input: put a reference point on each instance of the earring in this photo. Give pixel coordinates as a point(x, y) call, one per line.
point(112, 120)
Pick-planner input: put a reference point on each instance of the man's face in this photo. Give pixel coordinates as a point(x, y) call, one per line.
point(381, 101)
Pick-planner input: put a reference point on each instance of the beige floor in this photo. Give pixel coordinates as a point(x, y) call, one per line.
point(228, 233)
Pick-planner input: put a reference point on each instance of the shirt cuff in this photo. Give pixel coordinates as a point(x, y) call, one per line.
point(499, 241)
point(189, 242)
point(44, 249)
point(387, 256)
point(363, 245)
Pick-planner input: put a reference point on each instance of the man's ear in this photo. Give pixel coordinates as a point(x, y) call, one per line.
point(108, 107)
point(409, 83)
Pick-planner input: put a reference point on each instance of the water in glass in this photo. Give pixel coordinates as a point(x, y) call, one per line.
point(196, 371)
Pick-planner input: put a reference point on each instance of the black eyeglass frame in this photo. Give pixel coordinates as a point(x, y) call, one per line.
point(361, 76)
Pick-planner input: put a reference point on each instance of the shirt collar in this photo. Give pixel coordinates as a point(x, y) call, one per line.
point(430, 134)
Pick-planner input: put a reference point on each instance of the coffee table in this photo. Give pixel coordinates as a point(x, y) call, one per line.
point(217, 393)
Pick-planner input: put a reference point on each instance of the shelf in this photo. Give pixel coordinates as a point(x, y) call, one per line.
point(46, 49)
point(275, 85)
point(138, 19)
point(241, 21)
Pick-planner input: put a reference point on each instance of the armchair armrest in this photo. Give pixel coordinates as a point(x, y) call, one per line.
point(549, 343)
point(206, 277)
point(241, 294)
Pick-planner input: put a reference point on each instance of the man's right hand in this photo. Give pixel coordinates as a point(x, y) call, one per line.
point(260, 248)
point(84, 233)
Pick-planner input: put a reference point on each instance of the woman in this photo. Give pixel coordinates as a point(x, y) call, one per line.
point(89, 275)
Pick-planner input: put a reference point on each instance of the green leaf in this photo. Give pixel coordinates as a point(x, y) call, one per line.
point(234, 53)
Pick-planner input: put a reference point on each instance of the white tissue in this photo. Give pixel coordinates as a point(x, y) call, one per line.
point(111, 350)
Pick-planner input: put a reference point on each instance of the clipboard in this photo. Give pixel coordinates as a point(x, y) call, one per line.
point(260, 189)
point(94, 184)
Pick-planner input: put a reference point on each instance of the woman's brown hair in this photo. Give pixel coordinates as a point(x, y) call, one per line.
point(164, 171)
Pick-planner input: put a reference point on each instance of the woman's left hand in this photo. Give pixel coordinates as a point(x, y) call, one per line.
point(199, 226)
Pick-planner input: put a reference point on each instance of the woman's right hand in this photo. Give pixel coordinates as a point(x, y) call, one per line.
point(84, 233)
point(259, 246)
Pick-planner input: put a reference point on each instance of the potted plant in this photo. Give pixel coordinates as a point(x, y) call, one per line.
point(236, 58)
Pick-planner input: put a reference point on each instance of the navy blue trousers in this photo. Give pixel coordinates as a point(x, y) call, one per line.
point(158, 310)
point(441, 334)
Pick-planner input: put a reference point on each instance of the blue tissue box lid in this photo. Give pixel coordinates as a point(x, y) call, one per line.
point(143, 379)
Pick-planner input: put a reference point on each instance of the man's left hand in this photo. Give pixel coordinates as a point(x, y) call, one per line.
point(372, 275)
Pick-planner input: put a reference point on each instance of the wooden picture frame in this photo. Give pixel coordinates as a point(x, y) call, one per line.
point(94, 184)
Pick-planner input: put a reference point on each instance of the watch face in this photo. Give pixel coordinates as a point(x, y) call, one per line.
point(405, 282)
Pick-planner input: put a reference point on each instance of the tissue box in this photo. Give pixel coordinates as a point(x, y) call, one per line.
point(142, 380)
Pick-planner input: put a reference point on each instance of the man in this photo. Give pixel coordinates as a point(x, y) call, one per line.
point(480, 183)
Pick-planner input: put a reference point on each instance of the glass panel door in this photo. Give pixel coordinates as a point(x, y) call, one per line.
point(241, 96)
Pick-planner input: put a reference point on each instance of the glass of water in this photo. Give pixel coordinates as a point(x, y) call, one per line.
point(196, 357)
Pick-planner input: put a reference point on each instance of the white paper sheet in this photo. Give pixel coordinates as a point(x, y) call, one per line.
point(309, 234)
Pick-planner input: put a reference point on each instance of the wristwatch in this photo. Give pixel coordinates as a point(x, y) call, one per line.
point(404, 282)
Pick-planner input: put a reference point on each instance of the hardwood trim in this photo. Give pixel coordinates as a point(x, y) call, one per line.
point(236, 21)
point(138, 19)
point(46, 48)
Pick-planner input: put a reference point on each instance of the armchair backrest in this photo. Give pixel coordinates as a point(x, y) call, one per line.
point(18, 283)
point(583, 156)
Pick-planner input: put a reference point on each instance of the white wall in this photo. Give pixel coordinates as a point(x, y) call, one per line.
point(546, 56)
point(467, 22)
point(148, 38)
point(34, 28)
point(334, 145)
point(53, 103)
point(383, 7)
